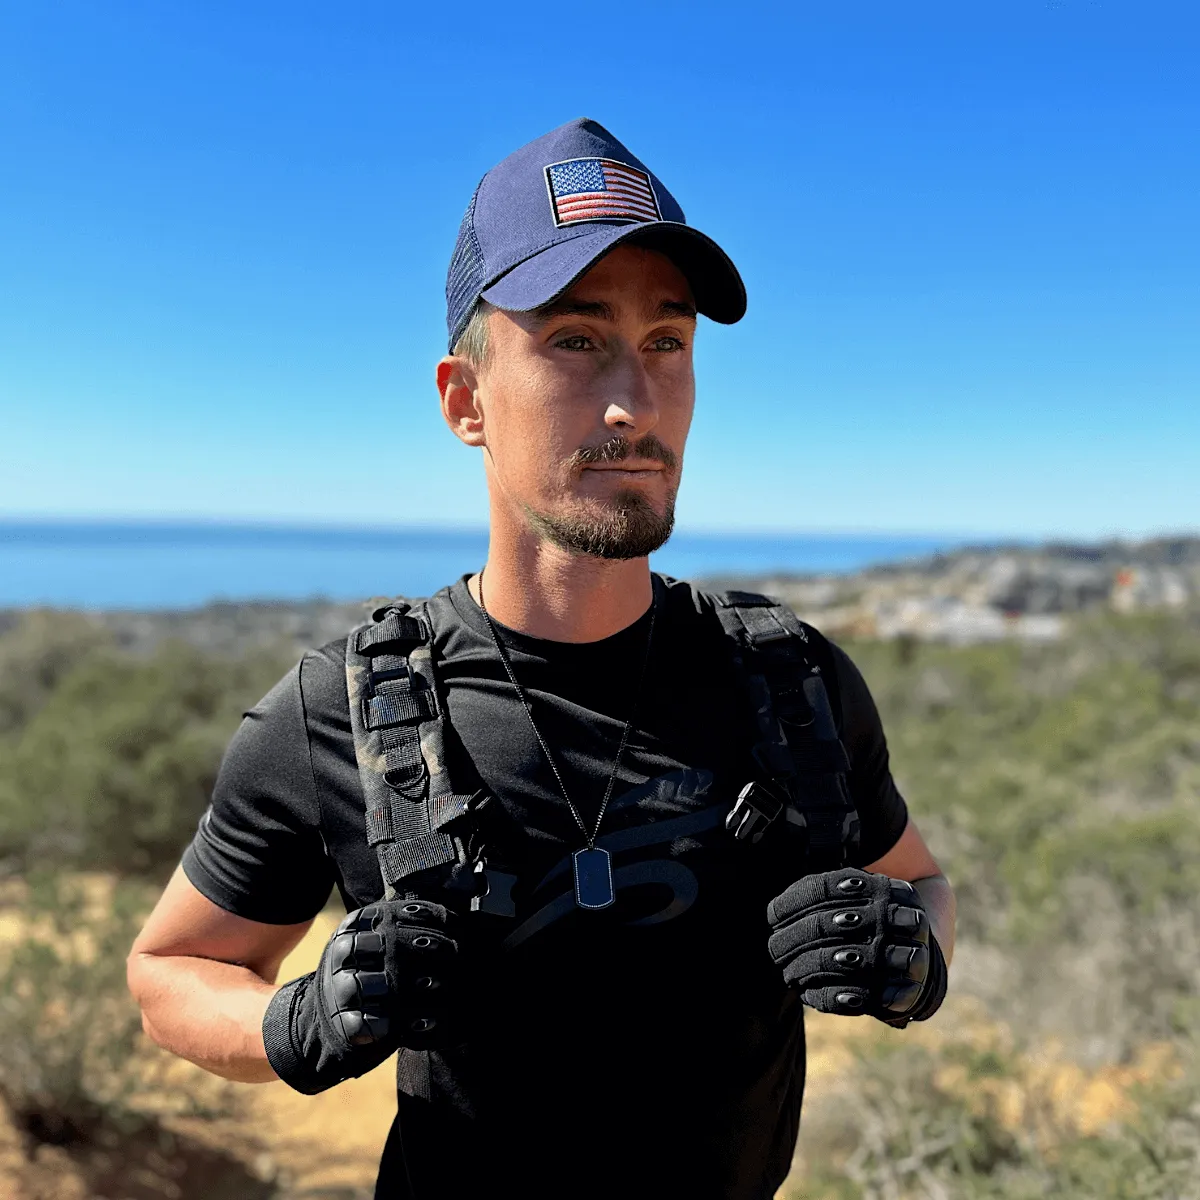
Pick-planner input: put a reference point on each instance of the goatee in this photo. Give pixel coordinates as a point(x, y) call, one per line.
point(629, 529)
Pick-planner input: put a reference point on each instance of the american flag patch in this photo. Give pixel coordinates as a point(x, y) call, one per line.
point(600, 189)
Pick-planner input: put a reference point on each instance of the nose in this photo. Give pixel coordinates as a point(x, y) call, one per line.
point(631, 407)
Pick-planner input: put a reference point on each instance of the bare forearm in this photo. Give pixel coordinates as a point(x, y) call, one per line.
point(937, 897)
point(208, 1012)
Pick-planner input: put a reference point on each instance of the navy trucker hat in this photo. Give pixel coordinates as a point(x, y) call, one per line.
point(543, 216)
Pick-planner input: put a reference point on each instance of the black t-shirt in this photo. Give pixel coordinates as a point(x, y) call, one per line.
point(650, 1048)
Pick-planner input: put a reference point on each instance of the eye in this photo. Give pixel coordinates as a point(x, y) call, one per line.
point(577, 341)
point(666, 345)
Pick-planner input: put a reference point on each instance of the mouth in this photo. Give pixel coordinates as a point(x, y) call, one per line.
point(626, 468)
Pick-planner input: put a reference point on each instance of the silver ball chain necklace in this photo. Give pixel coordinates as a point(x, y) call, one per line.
point(592, 865)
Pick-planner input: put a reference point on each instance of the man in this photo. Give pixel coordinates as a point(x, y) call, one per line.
point(531, 791)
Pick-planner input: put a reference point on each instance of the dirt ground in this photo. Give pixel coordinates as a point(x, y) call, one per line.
point(280, 1144)
point(284, 1146)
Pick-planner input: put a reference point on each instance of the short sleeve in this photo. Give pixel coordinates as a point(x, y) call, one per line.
point(258, 852)
point(882, 812)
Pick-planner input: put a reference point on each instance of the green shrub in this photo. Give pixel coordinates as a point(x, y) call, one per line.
point(69, 1032)
point(117, 763)
point(36, 655)
point(903, 1127)
point(1059, 786)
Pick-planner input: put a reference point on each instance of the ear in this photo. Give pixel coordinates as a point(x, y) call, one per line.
point(458, 385)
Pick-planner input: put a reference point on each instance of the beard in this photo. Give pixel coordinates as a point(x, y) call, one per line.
point(628, 528)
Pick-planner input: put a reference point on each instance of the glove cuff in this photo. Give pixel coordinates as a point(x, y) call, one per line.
point(285, 1057)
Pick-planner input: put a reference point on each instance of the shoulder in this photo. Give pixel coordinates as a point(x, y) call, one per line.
point(310, 698)
point(848, 693)
point(862, 727)
point(769, 627)
point(681, 598)
point(321, 680)
point(853, 687)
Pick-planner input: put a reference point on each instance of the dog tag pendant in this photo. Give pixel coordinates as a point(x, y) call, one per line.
point(593, 878)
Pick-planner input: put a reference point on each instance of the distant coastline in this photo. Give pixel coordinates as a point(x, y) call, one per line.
point(232, 588)
point(169, 565)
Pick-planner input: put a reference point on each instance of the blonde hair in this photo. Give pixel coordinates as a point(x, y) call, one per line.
point(473, 345)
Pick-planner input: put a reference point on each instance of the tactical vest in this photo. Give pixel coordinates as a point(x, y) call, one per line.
point(427, 836)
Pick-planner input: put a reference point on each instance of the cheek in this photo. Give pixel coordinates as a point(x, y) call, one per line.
point(676, 404)
point(532, 426)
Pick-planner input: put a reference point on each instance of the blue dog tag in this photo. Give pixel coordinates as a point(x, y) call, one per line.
point(593, 878)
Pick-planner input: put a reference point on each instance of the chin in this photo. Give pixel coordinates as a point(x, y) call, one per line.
point(625, 526)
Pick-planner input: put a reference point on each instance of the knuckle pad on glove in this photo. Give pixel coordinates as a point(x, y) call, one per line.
point(909, 922)
point(372, 986)
point(910, 961)
point(341, 952)
point(343, 991)
point(363, 1029)
point(368, 950)
point(360, 919)
point(899, 996)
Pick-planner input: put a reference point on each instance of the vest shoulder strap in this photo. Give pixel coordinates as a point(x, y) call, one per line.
point(788, 671)
point(397, 715)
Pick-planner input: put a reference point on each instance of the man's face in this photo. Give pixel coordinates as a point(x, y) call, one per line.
point(585, 406)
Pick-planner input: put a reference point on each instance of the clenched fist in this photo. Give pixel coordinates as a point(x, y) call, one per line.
point(857, 943)
point(387, 978)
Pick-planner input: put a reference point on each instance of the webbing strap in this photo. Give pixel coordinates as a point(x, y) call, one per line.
point(403, 762)
point(399, 859)
point(393, 709)
point(813, 757)
point(762, 626)
point(398, 820)
point(797, 746)
point(399, 704)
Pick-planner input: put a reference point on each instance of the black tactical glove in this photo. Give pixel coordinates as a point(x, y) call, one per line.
point(386, 979)
point(856, 943)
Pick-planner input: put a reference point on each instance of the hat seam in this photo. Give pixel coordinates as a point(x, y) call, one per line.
point(562, 241)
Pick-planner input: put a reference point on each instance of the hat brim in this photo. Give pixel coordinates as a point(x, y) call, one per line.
point(716, 285)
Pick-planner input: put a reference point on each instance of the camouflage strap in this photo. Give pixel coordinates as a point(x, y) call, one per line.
point(398, 725)
point(802, 761)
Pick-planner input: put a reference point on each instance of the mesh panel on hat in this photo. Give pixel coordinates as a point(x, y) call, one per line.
point(464, 281)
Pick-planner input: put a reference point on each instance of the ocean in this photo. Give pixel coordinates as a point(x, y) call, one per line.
point(104, 565)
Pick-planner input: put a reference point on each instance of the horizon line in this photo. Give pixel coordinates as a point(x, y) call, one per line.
point(215, 523)
point(959, 538)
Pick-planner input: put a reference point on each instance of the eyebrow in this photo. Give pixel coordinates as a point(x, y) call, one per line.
point(676, 308)
point(567, 307)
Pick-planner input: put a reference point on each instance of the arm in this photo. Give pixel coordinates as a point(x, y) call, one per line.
point(910, 859)
point(203, 979)
point(878, 939)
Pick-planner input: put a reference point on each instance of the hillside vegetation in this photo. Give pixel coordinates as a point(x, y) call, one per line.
point(1058, 783)
point(1060, 788)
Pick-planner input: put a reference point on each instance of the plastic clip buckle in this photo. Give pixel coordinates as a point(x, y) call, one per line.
point(757, 806)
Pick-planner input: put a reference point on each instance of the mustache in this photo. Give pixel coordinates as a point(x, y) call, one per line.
point(619, 448)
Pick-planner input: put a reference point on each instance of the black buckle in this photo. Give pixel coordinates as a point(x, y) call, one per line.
point(397, 633)
point(757, 806)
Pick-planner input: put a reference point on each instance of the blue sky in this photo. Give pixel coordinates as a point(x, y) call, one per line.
point(968, 231)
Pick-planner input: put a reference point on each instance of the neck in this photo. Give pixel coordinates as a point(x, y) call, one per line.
point(539, 589)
